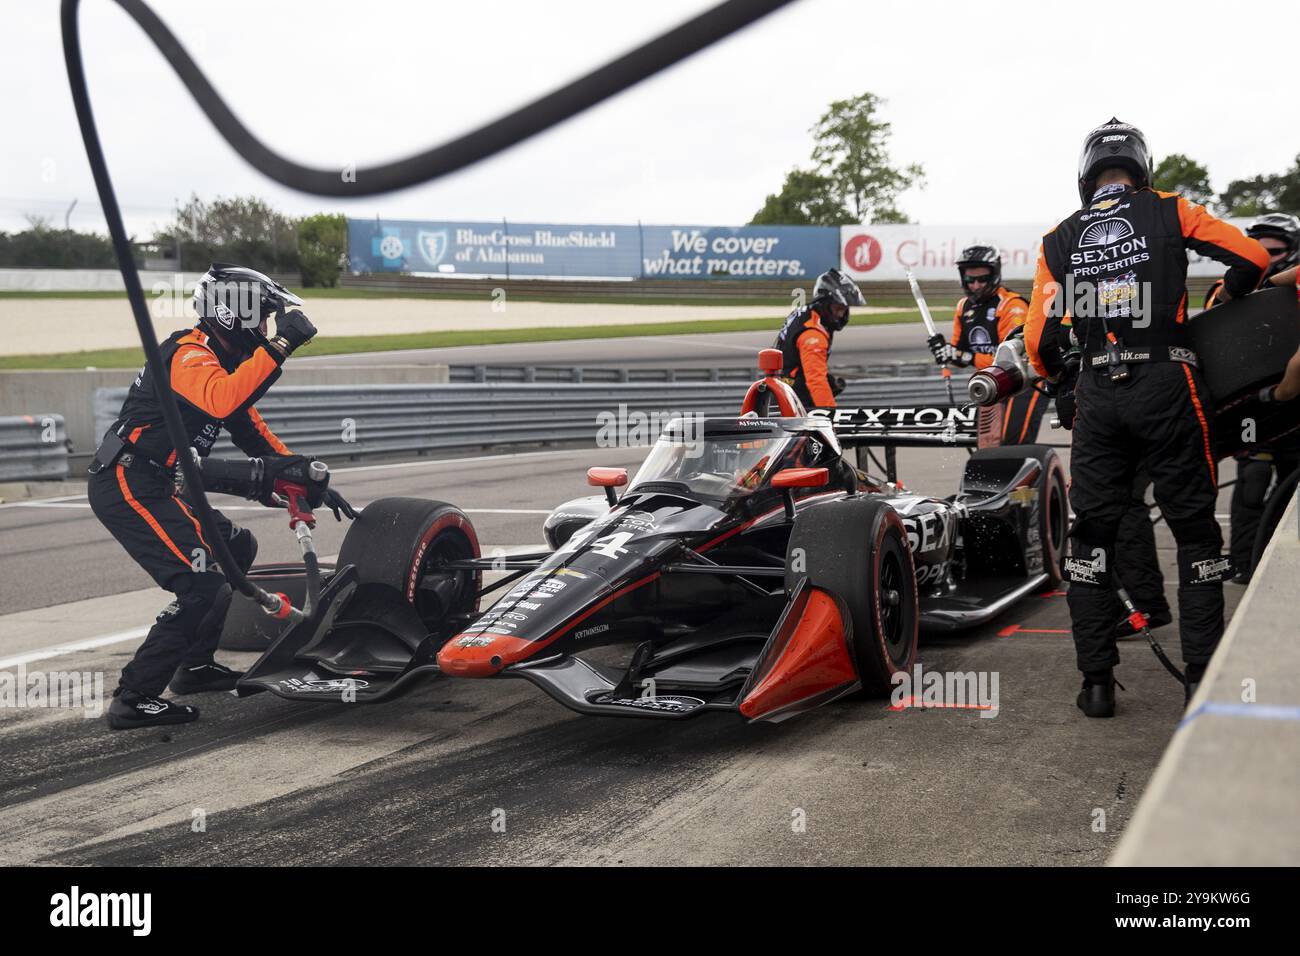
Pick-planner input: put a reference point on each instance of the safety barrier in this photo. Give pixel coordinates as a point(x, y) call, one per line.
point(353, 421)
point(736, 373)
point(33, 447)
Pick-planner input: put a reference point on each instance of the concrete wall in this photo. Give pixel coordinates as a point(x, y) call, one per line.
point(1227, 791)
point(72, 393)
point(80, 280)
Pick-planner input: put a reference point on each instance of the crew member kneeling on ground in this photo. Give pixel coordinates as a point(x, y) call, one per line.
point(1118, 266)
point(985, 315)
point(805, 339)
point(1279, 234)
point(219, 368)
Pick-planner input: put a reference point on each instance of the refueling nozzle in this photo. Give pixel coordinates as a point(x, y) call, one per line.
point(1010, 372)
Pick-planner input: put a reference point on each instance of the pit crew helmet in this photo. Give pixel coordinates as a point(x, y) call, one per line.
point(836, 288)
point(233, 301)
point(1279, 225)
point(1113, 144)
point(981, 256)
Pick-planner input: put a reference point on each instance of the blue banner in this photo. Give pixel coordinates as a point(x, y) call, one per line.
point(558, 250)
point(738, 252)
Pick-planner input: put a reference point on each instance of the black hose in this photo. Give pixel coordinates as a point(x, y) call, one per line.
point(541, 114)
point(561, 104)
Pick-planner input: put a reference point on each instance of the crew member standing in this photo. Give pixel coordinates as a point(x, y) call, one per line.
point(805, 339)
point(984, 317)
point(1118, 266)
point(1279, 234)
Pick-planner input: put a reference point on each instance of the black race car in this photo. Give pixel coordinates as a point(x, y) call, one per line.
point(748, 567)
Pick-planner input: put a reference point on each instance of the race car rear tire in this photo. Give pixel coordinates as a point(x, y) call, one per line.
point(397, 541)
point(1054, 503)
point(856, 548)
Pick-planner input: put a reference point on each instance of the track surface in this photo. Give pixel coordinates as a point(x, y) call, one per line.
point(855, 345)
point(425, 778)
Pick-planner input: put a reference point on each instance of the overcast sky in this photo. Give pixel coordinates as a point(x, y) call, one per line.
point(993, 99)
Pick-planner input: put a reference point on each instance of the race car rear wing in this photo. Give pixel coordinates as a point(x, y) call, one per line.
point(904, 426)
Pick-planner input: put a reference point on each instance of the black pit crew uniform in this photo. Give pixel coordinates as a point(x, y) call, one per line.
point(135, 495)
point(1118, 266)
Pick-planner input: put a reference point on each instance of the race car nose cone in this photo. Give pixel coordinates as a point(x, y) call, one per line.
point(481, 655)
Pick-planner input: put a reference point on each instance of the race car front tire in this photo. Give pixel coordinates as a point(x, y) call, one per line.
point(856, 548)
point(397, 542)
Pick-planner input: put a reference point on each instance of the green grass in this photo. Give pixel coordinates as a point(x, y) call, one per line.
point(893, 302)
point(347, 344)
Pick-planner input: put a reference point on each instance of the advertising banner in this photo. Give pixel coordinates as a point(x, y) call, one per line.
point(493, 248)
point(738, 252)
point(877, 253)
point(556, 250)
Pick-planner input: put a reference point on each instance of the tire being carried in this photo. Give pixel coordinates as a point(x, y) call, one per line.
point(856, 547)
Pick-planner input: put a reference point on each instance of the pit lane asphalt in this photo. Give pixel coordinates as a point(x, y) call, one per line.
point(424, 779)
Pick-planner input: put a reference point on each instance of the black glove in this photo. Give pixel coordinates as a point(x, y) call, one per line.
point(335, 502)
point(292, 468)
point(1065, 409)
point(837, 383)
point(938, 348)
point(292, 331)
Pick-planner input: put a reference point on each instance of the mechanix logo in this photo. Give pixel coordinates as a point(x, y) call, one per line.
point(1212, 569)
point(1106, 233)
point(1080, 571)
point(1186, 356)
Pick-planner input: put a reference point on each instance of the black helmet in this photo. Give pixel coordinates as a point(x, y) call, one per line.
point(1279, 225)
point(835, 287)
point(980, 256)
point(1113, 144)
point(232, 301)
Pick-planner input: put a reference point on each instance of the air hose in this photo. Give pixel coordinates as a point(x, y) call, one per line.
point(563, 103)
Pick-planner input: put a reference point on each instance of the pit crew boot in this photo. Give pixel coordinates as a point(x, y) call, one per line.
point(202, 678)
point(131, 711)
point(1097, 698)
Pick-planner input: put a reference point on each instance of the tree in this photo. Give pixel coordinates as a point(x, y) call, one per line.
point(322, 248)
point(853, 178)
point(246, 231)
point(1261, 194)
point(1180, 174)
point(41, 247)
point(806, 199)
